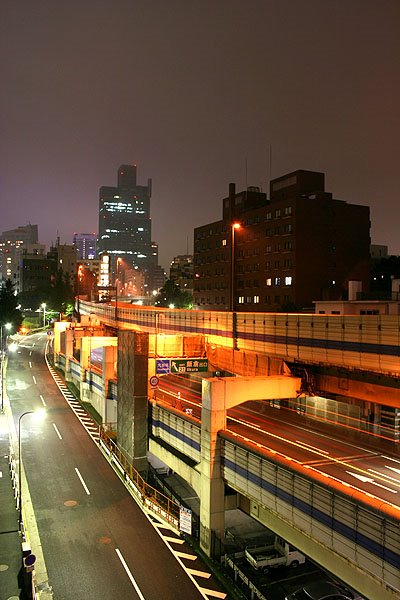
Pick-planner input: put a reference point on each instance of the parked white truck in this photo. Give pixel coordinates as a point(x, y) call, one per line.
point(278, 554)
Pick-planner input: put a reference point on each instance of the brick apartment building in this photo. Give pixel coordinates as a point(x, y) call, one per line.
point(299, 245)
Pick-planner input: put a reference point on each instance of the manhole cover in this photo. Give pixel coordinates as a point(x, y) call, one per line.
point(105, 540)
point(70, 503)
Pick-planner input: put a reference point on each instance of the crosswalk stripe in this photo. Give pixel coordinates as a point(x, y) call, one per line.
point(174, 540)
point(203, 574)
point(213, 593)
point(185, 555)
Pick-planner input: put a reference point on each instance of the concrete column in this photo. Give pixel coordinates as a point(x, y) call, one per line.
point(132, 426)
point(109, 360)
point(212, 504)
point(69, 351)
point(218, 395)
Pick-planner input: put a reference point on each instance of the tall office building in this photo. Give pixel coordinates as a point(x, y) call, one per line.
point(298, 246)
point(124, 221)
point(85, 244)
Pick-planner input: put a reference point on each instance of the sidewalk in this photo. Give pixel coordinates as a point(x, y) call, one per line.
point(10, 539)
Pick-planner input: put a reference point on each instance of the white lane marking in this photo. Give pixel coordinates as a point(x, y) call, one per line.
point(135, 585)
point(393, 469)
point(85, 487)
point(1, 474)
point(370, 480)
point(34, 379)
point(384, 475)
point(30, 365)
point(42, 399)
point(57, 432)
point(390, 458)
point(30, 353)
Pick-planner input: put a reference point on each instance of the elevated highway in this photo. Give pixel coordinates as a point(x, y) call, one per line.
point(347, 529)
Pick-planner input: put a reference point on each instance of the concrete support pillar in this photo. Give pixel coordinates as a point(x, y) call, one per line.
point(109, 361)
point(132, 426)
point(218, 395)
point(212, 506)
point(69, 351)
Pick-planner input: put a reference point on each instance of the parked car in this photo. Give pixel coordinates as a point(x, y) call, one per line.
point(323, 590)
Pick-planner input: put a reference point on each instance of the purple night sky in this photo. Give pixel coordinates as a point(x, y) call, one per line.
point(192, 91)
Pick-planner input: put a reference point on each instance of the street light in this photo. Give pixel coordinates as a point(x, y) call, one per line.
point(234, 227)
point(44, 313)
point(40, 414)
point(6, 326)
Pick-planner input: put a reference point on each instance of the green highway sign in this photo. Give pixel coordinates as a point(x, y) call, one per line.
point(189, 365)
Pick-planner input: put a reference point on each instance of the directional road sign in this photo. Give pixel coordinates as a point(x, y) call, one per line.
point(189, 365)
point(162, 366)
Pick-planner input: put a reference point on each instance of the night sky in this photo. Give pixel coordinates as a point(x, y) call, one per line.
point(198, 94)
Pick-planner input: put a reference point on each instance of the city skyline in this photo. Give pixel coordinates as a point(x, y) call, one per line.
point(197, 96)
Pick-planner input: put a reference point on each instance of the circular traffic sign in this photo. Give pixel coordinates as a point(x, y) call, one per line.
point(30, 560)
point(154, 381)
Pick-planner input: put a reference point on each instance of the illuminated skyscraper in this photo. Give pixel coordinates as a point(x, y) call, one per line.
point(85, 244)
point(124, 221)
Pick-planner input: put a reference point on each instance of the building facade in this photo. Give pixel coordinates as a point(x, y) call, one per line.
point(10, 243)
point(181, 272)
point(298, 246)
point(86, 245)
point(124, 221)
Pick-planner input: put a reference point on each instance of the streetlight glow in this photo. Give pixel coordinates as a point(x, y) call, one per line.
point(235, 227)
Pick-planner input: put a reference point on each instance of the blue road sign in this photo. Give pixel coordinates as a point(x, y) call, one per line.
point(163, 366)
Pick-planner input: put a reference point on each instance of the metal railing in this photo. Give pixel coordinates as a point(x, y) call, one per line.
point(152, 498)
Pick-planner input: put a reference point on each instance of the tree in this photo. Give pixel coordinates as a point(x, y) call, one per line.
point(9, 313)
point(60, 296)
point(171, 294)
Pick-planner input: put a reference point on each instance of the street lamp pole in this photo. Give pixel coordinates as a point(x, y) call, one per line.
point(20, 464)
point(44, 313)
point(232, 294)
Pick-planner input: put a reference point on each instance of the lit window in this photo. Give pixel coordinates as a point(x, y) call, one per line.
point(288, 280)
point(268, 281)
point(277, 281)
point(241, 299)
point(256, 299)
point(224, 242)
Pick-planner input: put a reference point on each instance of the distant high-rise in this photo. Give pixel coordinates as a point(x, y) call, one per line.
point(10, 242)
point(85, 245)
point(124, 221)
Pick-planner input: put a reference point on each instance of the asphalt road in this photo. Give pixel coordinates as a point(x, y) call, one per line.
point(360, 461)
point(96, 541)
